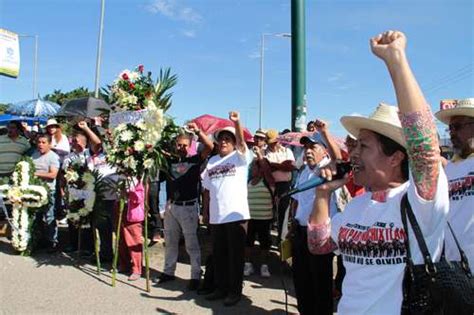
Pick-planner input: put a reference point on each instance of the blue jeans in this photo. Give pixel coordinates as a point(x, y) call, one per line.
point(50, 219)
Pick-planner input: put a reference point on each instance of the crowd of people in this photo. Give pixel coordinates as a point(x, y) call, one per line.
point(240, 190)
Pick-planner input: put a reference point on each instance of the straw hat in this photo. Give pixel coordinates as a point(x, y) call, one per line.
point(260, 133)
point(272, 136)
point(384, 120)
point(52, 122)
point(451, 108)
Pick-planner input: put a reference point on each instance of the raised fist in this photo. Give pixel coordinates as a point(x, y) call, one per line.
point(234, 116)
point(321, 125)
point(389, 45)
point(82, 124)
point(192, 127)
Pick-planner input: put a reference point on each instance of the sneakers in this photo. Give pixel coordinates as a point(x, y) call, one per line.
point(248, 269)
point(264, 272)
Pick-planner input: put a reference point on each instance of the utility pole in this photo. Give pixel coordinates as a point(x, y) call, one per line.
point(298, 66)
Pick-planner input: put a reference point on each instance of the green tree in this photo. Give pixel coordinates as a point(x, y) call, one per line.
point(3, 108)
point(61, 98)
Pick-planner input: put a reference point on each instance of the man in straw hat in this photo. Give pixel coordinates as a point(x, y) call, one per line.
point(459, 116)
point(282, 162)
point(369, 234)
point(225, 177)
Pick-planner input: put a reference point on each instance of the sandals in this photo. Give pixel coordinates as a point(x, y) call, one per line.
point(134, 277)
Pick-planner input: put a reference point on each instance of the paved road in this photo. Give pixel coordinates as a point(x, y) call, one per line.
point(60, 284)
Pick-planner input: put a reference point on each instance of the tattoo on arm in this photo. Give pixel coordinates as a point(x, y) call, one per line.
point(423, 150)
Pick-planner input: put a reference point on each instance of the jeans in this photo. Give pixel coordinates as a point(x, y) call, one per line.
point(50, 219)
point(182, 219)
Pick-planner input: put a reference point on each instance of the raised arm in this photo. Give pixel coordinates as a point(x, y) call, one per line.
point(323, 128)
point(95, 141)
point(208, 145)
point(239, 132)
point(415, 114)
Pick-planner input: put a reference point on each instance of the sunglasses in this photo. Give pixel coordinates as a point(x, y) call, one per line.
point(458, 126)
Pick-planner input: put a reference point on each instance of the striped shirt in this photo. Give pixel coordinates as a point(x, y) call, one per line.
point(11, 152)
point(260, 202)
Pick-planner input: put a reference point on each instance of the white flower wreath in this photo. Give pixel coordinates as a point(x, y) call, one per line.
point(22, 196)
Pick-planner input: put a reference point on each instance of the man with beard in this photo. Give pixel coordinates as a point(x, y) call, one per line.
point(312, 274)
point(459, 116)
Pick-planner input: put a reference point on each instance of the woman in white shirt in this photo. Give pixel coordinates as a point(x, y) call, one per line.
point(369, 234)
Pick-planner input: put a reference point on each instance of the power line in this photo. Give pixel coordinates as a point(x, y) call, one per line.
point(448, 83)
point(461, 71)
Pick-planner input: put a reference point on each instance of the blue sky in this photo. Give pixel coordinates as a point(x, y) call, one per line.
point(213, 46)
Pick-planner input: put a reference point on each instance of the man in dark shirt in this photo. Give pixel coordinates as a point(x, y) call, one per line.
point(182, 212)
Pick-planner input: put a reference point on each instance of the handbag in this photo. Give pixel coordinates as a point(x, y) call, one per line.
point(444, 287)
point(136, 204)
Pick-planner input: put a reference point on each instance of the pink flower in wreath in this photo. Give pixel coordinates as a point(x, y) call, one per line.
point(141, 68)
point(125, 76)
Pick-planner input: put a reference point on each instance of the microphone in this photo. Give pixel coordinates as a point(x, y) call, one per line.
point(342, 168)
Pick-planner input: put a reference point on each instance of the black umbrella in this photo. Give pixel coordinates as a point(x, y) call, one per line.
point(84, 107)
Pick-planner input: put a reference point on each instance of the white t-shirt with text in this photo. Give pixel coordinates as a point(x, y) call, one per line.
point(226, 179)
point(370, 238)
point(461, 210)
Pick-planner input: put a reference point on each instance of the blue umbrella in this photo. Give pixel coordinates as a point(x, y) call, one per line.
point(34, 108)
point(6, 118)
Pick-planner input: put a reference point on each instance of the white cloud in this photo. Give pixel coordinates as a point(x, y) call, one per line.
point(189, 33)
point(174, 10)
point(335, 77)
point(189, 15)
point(164, 7)
point(254, 55)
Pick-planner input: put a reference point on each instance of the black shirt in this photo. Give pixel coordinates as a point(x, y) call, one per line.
point(182, 182)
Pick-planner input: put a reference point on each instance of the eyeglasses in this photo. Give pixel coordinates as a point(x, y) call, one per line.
point(458, 126)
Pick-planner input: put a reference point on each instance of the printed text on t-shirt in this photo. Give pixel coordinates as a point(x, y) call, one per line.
point(461, 187)
point(379, 244)
point(223, 170)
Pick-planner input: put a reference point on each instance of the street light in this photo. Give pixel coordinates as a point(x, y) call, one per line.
point(35, 63)
point(99, 49)
point(262, 57)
